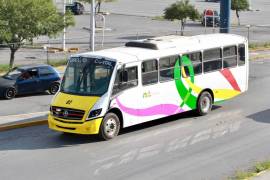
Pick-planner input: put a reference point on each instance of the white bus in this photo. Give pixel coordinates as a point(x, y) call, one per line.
point(148, 79)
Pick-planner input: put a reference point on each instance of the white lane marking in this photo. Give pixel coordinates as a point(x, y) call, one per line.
point(178, 143)
point(103, 167)
point(127, 157)
point(19, 117)
point(166, 147)
point(201, 136)
point(149, 151)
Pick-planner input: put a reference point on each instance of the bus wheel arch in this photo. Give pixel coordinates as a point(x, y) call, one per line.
point(205, 101)
point(118, 113)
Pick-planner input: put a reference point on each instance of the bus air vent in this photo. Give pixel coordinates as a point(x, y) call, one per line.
point(142, 44)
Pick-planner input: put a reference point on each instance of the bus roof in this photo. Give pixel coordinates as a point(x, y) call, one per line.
point(166, 46)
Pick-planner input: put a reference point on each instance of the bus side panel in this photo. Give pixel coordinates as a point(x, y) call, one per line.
point(153, 102)
point(127, 102)
point(225, 83)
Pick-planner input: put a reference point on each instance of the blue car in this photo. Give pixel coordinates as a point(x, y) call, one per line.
point(29, 79)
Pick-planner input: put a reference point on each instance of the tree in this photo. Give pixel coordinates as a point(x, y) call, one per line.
point(181, 10)
point(24, 20)
point(98, 4)
point(239, 5)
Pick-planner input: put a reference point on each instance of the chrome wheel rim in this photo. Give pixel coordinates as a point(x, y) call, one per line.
point(110, 127)
point(54, 89)
point(10, 93)
point(205, 104)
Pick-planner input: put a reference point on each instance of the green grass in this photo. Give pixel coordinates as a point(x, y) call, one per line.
point(257, 46)
point(259, 167)
point(57, 63)
point(158, 18)
point(4, 68)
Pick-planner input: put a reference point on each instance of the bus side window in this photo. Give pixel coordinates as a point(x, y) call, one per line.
point(131, 81)
point(166, 68)
point(241, 54)
point(229, 56)
point(149, 72)
point(212, 60)
point(196, 59)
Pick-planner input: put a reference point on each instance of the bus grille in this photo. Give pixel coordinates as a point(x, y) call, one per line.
point(66, 113)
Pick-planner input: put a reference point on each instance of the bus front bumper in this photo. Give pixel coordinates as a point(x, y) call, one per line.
point(88, 127)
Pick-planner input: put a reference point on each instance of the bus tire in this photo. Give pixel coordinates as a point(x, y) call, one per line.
point(204, 104)
point(110, 126)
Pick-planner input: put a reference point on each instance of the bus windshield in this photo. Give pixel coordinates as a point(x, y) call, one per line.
point(87, 76)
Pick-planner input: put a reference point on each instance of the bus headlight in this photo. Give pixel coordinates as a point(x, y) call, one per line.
point(94, 113)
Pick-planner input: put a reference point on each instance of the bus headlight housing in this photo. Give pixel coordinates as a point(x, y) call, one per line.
point(94, 113)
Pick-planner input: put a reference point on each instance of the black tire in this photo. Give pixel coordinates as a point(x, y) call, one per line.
point(109, 127)
point(10, 93)
point(204, 103)
point(54, 88)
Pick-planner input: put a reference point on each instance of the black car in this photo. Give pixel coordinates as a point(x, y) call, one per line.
point(76, 8)
point(210, 16)
point(29, 79)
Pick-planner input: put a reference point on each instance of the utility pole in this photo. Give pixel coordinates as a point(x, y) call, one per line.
point(225, 9)
point(64, 31)
point(92, 28)
point(250, 6)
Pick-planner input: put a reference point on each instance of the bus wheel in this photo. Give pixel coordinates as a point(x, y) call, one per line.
point(110, 126)
point(204, 104)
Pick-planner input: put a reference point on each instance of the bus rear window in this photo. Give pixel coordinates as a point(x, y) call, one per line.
point(241, 54)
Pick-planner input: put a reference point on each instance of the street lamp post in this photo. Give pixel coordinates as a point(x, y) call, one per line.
point(250, 6)
point(64, 31)
point(92, 28)
point(225, 8)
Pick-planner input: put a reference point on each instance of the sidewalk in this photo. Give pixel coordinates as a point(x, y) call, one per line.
point(22, 120)
point(262, 176)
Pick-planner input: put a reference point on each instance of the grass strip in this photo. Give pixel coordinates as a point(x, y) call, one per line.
point(259, 167)
point(259, 46)
point(55, 63)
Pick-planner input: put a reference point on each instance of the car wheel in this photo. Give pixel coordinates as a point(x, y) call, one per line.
point(54, 88)
point(204, 104)
point(110, 126)
point(10, 93)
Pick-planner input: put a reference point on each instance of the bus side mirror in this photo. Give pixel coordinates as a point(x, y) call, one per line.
point(124, 76)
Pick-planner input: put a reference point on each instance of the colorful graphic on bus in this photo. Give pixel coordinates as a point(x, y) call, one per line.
point(185, 93)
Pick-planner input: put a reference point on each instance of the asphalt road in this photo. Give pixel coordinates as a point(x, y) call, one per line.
point(32, 103)
point(232, 137)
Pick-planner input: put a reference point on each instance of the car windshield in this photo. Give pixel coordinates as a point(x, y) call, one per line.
point(13, 74)
point(87, 76)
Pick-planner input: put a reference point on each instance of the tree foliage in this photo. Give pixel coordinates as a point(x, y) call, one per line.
point(24, 20)
point(98, 3)
point(181, 10)
point(239, 5)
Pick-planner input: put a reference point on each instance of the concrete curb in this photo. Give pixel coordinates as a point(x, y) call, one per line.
point(24, 124)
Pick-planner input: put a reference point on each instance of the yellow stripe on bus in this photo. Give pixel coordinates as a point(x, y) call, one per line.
point(218, 93)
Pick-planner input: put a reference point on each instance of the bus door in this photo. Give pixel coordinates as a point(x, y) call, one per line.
point(125, 93)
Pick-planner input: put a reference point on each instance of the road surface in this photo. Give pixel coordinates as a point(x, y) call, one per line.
point(232, 137)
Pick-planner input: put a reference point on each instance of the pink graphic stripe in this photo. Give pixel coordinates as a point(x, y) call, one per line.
point(161, 109)
point(230, 78)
